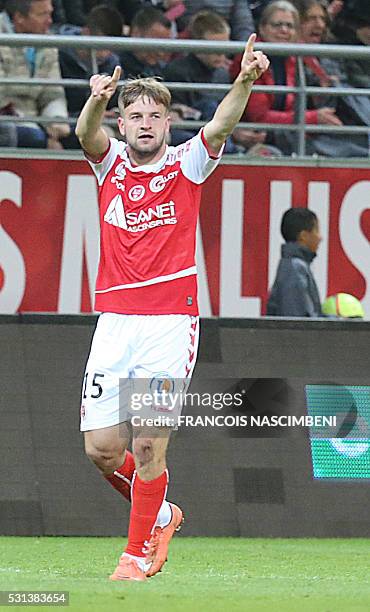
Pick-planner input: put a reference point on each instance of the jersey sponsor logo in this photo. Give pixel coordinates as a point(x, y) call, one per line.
point(158, 183)
point(154, 216)
point(119, 175)
point(120, 170)
point(138, 221)
point(115, 213)
point(136, 193)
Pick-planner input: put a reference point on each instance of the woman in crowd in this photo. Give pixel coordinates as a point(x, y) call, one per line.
point(279, 23)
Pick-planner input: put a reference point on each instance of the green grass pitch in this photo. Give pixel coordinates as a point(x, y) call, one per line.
point(202, 574)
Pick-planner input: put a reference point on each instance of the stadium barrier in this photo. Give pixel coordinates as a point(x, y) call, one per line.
point(229, 47)
point(231, 480)
point(238, 246)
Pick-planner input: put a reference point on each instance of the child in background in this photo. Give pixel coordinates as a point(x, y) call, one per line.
point(294, 292)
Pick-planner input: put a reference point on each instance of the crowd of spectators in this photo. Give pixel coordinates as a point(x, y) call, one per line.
point(276, 21)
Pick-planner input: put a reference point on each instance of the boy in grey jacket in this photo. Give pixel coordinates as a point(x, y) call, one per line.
point(294, 292)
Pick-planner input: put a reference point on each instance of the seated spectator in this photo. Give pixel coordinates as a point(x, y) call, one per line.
point(351, 26)
point(350, 110)
point(334, 7)
point(236, 12)
point(314, 22)
point(175, 11)
point(75, 12)
point(149, 22)
point(280, 24)
point(205, 68)
point(201, 67)
point(75, 63)
point(69, 11)
point(294, 292)
point(32, 17)
point(127, 8)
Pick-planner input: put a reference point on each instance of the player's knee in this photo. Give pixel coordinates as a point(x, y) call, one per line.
point(106, 460)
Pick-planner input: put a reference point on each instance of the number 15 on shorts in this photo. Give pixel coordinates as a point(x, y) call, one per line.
point(92, 385)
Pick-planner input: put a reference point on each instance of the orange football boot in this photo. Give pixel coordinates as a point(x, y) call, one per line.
point(127, 569)
point(159, 542)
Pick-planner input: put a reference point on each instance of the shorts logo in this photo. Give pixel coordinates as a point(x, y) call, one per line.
point(136, 193)
point(83, 412)
point(162, 382)
point(158, 183)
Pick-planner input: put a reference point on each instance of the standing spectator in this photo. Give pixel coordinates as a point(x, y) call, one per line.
point(32, 17)
point(294, 292)
point(236, 12)
point(147, 23)
point(280, 24)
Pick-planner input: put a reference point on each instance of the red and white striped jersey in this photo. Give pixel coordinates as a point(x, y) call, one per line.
point(148, 218)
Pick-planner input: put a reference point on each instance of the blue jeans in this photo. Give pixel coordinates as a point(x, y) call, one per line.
point(31, 137)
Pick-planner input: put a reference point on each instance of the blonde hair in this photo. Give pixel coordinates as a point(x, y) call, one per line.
point(148, 87)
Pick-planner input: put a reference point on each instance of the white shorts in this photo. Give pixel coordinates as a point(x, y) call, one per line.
point(158, 351)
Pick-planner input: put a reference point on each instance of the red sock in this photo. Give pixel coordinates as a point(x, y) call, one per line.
point(147, 498)
point(121, 479)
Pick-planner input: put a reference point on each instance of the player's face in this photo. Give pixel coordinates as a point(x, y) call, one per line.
point(145, 126)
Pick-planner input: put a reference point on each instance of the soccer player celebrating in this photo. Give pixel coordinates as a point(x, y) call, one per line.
point(149, 195)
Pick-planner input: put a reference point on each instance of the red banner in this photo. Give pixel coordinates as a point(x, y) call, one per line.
point(49, 234)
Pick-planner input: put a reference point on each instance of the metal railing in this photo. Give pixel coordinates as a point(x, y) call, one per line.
point(229, 47)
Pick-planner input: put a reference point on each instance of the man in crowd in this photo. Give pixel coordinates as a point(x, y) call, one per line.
point(149, 22)
point(31, 17)
point(206, 68)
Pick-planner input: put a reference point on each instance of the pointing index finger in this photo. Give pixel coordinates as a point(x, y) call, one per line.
point(116, 74)
point(250, 43)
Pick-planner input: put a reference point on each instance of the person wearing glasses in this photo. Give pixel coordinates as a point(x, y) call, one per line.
point(279, 23)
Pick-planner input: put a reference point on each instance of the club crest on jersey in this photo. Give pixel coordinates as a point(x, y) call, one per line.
point(136, 193)
point(159, 182)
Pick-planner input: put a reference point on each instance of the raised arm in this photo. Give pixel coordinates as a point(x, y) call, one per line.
point(229, 111)
point(89, 131)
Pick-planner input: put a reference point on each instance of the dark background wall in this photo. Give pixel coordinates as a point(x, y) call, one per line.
point(229, 481)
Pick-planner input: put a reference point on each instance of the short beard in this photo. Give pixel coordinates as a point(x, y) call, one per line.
point(144, 156)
